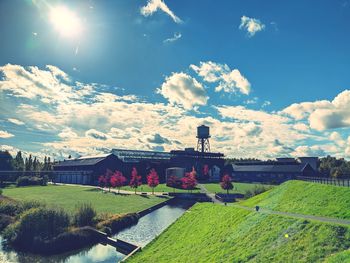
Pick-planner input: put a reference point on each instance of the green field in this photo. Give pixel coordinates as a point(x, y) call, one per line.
point(68, 197)
point(215, 233)
point(306, 198)
point(159, 188)
point(239, 188)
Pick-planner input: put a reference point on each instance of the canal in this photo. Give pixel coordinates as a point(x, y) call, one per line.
point(147, 228)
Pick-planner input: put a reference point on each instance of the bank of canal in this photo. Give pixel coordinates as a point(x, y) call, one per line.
point(147, 228)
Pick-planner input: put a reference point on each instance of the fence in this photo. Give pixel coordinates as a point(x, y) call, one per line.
point(326, 180)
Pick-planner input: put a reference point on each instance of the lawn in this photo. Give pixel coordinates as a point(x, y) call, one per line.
point(239, 188)
point(306, 198)
point(68, 197)
point(216, 233)
point(159, 188)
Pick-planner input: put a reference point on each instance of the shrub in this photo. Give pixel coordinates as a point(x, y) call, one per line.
point(31, 180)
point(36, 224)
point(117, 223)
point(5, 220)
point(258, 189)
point(14, 208)
point(84, 215)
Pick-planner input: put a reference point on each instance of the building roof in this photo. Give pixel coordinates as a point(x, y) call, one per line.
point(84, 161)
point(270, 168)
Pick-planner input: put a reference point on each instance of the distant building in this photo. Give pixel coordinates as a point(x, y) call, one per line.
point(85, 170)
point(274, 171)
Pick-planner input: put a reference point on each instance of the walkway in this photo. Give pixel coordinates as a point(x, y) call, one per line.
point(302, 216)
point(210, 195)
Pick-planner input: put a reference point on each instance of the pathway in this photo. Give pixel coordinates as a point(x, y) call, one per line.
point(295, 215)
point(210, 195)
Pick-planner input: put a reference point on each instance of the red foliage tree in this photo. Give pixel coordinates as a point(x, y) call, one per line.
point(135, 180)
point(226, 183)
point(153, 179)
point(206, 171)
point(108, 177)
point(118, 180)
point(189, 182)
point(102, 181)
point(174, 182)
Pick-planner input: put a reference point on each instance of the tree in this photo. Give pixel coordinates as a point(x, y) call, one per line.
point(108, 177)
point(135, 180)
point(174, 182)
point(189, 182)
point(6, 161)
point(153, 179)
point(118, 180)
point(226, 183)
point(18, 162)
point(102, 181)
point(29, 163)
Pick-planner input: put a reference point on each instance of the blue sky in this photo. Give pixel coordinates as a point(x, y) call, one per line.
point(270, 78)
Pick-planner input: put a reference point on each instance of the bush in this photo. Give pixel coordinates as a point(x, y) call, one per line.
point(5, 220)
point(258, 189)
point(36, 224)
point(117, 223)
point(13, 208)
point(84, 215)
point(31, 180)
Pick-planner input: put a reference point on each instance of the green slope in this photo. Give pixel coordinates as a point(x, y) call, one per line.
point(68, 197)
point(306, 198)
point(215, 233)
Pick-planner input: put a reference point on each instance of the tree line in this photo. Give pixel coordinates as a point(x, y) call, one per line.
point(20, 163)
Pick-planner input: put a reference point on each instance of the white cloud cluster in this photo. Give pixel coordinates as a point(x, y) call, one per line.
point(15, 121)
point(182, 89)
point(175, 37)
point(5, 134)
point(251, 25)
point(155, 5)
point(228, 80)
point(101, 120)
point(324, 114)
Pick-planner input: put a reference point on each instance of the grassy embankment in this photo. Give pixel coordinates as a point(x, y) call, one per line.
point(68, 197)
point(239, 188)
point(306, 198)
point(215, 233)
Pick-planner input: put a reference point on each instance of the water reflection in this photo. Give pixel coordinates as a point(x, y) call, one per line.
point(142, 233)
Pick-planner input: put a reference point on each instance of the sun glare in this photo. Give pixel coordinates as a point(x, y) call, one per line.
point(66, 22)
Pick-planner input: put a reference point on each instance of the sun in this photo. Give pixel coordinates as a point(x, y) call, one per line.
point(65, 21)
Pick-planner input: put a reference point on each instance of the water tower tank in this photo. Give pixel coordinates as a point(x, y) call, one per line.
point(203, 132)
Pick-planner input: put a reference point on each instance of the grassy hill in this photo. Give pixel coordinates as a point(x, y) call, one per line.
point(306, 198)
point(68, 197)
point(215, 233)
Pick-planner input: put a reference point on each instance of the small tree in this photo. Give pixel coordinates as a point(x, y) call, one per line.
point(108, 178)
point(153, 179)
point(118, 180)
point(206, 171)
point(135, 180)
point(226, 183)
point(102, 181)
point(189, 182)
point(174, 182)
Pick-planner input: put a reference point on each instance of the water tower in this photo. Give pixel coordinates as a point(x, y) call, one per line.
point(203, 139)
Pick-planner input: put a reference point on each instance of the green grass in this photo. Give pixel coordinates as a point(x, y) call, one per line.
point(159, 188)
point(306, 198)
point(239, 188)
point(343, 257)
point(68, 197)
point(215, 233)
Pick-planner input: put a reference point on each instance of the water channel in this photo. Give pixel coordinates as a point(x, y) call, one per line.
point(147, 228)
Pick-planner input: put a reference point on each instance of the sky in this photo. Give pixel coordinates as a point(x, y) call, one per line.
point(270, 78)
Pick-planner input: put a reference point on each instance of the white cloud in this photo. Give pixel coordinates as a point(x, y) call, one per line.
point(5, 134)
point(228, 80)
point(67, 133)
point(175, 37)
point(92, 133)
point(251, 25)
point(15, 121)
point(182, 89)
point(155, 5)
point(323, 115)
